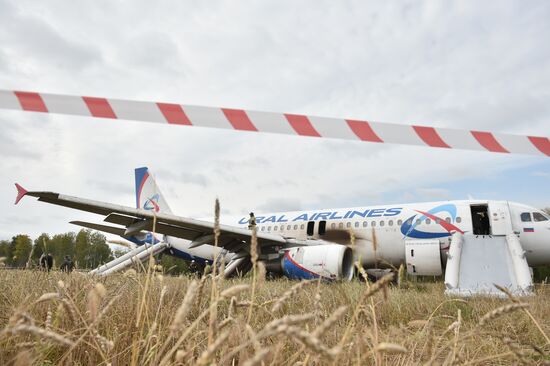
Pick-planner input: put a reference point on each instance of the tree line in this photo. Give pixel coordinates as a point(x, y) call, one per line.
point(88, 249)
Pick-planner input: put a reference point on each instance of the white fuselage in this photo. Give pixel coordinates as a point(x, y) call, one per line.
point(378, 233)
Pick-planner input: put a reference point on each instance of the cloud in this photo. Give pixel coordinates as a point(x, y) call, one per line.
point(433, 193)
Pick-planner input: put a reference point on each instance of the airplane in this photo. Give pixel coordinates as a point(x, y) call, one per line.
point(315, 243)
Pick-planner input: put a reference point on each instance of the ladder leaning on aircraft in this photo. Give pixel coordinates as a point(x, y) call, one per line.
point(315, 244)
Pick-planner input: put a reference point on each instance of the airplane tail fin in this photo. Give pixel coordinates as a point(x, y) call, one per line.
point(148, 195)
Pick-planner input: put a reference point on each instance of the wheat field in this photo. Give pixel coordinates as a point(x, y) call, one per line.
point(151, 319)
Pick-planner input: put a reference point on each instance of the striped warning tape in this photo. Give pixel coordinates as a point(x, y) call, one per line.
point(291, 124)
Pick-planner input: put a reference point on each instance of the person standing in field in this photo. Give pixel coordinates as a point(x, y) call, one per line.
point(46, 262)
point(251, 221)
point(67, 265)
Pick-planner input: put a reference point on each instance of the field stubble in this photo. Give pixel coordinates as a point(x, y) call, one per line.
point(148, 318)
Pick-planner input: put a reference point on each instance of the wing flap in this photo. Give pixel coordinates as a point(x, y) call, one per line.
point(105, 228)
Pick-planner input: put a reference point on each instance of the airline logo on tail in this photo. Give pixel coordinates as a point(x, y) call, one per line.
point(409, 226)
point(152, 203)
point(148, 195)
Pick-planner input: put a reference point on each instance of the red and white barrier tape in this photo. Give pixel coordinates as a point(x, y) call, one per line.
point(290, 124)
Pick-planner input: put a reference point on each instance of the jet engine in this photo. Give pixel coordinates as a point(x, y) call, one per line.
point(328, 261)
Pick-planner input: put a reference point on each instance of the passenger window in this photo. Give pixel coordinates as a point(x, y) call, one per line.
point(302, 227)
point(373, 224)
point(428, 221)
point(537, 216)
point(418, 221)
point(263, 228)
point(458, 219)
point(295, 227)
point(381, 223)
point(282, 227)
point(365, 223)
point(348, 224)
point(288, 227)
point(448, 219)
point(356, 223)
point(525, 217)
point(341, 225)
point(274, 228)
point(399, 222)
point(333, 226)
point(322, 227)
point(390, 222)
point(269, 228)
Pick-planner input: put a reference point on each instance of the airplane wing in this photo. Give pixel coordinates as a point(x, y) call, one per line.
point(135, 220)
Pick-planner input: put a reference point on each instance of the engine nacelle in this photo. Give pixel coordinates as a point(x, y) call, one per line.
point(329, 261)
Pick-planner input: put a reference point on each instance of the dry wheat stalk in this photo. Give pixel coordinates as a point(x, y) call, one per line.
point(417, 323)
point(48, 322)
point(26, 344)
point(106, 344)
point(261, 274)
point(253, 337)
point(39, 332)
point(95, 296)
point(202, 282)
point(69, 309)
point(311, 342)
point(24, 358)
point(288, 294)
point(181, 355)
point(500, 311)
point(47, 297)
point(258, 358)
point(185, 307)
point(516, 300)
point(330, 321)
point(209, 353)
point(516, 350)
point(362, 271)
point(20, 317)
point(507, 292)
point(389, 348)
point(225, 323)
point(378, 285)
point(234, 290)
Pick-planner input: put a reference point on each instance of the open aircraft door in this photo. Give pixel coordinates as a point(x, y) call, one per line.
point(499, 216)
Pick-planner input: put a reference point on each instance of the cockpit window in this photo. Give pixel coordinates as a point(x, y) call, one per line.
point(537, 216)
point(525, 217)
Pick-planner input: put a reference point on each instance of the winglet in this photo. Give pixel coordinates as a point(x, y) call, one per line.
point(21, 192)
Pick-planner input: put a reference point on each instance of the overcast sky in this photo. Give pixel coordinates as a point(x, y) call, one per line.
point(469, 64)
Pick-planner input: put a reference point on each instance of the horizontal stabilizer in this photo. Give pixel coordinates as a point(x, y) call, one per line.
point(21, 192)
point(105, 228)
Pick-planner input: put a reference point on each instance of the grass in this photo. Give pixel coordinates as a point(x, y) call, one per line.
point(147, 318)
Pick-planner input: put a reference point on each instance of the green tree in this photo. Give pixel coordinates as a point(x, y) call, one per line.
point(62, 245)
point(82, 247)
point(173, 265)
point(6, 251)
point(22, 249)
point(98, 251)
